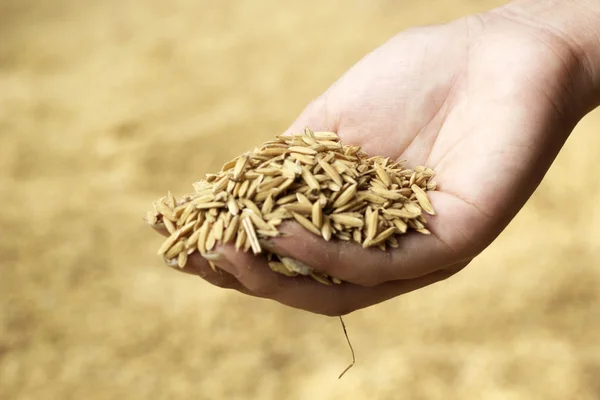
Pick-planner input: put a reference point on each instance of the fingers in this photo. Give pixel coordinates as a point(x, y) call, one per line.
point(197, 265)
point(350, 262)
point(254, 273)
point(416, 256)
point(218, 277)
point(306, 294)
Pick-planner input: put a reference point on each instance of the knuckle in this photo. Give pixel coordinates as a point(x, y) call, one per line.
point(222, 282)
point(262, 289)
point(217, 278)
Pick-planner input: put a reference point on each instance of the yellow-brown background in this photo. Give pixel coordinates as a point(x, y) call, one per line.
point(105, 105)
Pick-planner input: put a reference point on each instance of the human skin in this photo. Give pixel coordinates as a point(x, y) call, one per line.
point(487, 101)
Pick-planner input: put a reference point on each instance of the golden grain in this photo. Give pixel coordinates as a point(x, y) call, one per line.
point(192, 240)
point(204, 229)
point(205, 206)
point(302, 199)
point(331, 190)
point(403, 213)
point(168, 243)
point(253, 186)
point(302, 150)
point(152, 218)
point(284, 186)
point(170, 201)
point(296, 266)
point(326, 230)
point(212, 265)
point(270, 184)
point(170, 226)
point(385, 178)
point(182, 259)
point(320, 278)
point(372, 219)
point(240, 238)
point(267, 206)
point(347, 220)
point(387, 194)
point(240, 165)
point(286, 199)
point(258, 222)
point(175, 249)
point(345, 196)
point(165, 211)
point(306, 223)
point(304, 159)
point(357, 235)
point(217, 230)
point(310, 179)
point(317, 215)
point(400, 225)
point(281, 268)
point(423, 199)
point(382, 237)
point(274, 151)
point(412, 208)
point(211, 241)
point(304, 209)
point(187, 210)
point(332, 172)
point(250, 205)
point(251, 235)
point(231, 229)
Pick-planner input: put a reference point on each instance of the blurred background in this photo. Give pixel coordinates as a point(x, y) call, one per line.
point(106, 105)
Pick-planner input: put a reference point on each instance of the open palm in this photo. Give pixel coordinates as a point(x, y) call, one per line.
point(475, 100)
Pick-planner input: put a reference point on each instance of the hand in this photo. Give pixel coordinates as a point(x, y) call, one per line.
point(486, 101)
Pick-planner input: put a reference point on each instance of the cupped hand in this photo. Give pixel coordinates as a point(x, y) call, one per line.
point(486, 101)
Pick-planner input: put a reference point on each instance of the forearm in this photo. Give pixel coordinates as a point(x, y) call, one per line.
point(574, 28)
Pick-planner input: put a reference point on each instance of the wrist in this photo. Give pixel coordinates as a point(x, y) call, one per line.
point(572, 30)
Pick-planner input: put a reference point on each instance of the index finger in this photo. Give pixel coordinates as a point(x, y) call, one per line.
point(417, 255)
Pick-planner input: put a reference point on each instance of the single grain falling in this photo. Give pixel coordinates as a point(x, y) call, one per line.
point(334, 191)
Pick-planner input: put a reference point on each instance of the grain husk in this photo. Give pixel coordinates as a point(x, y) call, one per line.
point(333, 191)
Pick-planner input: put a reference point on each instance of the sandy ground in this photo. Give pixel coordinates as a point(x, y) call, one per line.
point(106, 105)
